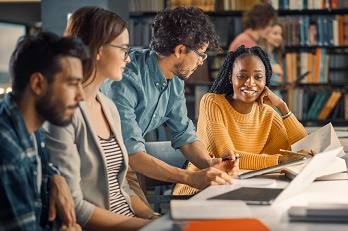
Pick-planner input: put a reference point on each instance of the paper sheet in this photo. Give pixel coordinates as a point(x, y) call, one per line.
point(208, 209)
point(323, 139)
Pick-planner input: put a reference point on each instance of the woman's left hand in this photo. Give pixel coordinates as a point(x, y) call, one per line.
point(268, 97)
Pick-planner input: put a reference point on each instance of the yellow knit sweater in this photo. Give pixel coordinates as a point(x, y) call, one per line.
point(256, 136)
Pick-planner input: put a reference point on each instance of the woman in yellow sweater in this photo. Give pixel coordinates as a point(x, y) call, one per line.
point(233, 115)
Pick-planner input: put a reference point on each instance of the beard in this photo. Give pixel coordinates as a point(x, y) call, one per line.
point(181, 71)
point(52, 110)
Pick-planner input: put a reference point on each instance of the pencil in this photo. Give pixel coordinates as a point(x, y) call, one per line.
point(296, 153)
point(229, 158)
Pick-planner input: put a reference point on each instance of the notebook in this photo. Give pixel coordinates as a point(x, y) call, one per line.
point(267, 196)
point(322, 212)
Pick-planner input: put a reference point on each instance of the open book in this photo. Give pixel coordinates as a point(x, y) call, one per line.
point(323, 139)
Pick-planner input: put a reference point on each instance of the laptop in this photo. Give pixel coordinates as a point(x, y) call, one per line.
point(267, 196)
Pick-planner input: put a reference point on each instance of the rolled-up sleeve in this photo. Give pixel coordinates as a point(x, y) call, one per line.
point(181, 127)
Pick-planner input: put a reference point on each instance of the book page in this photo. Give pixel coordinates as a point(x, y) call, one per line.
point(337, 165)
point(323, 139)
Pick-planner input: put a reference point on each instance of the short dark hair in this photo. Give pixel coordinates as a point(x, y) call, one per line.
point(96, 27)
point(189, 26)
point(222, 83)
point(41, 53)
point(259, 16)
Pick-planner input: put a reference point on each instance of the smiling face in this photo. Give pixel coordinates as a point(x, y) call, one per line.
point(248, 79)
point(192, 60)
point(275, 37)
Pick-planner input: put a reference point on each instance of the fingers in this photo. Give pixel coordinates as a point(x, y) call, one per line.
point(215, 176)
point(235, 169)
point(61, 198)
point(227, 163)
point(207, 177)
point(74, 227)
point(52, 210)
point(261, 98)
point(215, 161)
point(221, 179)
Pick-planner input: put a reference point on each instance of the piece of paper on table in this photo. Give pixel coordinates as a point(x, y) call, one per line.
point(323, 139)
point(208, 209)
point(256, 182)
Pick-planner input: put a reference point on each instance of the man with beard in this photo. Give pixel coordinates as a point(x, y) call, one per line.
point(152, 93)
point(46, 72)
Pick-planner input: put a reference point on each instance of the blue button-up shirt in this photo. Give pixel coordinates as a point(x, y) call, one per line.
point(22, 197)
point(146, 99)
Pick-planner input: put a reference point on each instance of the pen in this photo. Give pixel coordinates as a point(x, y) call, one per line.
point(229, 158)
point(296, 153)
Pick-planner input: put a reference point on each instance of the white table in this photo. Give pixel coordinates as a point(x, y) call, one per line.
point(275, 216)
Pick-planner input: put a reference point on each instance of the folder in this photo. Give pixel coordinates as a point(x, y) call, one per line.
point(221, 225)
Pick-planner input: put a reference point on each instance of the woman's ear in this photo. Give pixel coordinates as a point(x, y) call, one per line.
point(99, 53)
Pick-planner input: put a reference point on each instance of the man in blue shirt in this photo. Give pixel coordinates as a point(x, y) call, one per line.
point(152, 93)
point(46, 72)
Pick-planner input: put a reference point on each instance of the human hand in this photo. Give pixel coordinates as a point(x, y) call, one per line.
point(74, 227)
point(311, 152)
point(284, 158)
point(155, 217)
point(208, 176)
point(229, 166)
point(60, 198)
point(268, 97)
point(290, 156)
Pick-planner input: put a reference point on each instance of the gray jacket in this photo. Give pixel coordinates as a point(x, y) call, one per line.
point(76, 151)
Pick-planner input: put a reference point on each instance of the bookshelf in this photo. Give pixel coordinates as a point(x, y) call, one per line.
point(316, 36)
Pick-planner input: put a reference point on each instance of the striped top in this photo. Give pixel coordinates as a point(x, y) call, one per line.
point(114, 159)
point(256, 136)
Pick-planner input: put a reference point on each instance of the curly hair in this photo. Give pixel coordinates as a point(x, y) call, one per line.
point(189, 26)
point(222, 83)
point(259, 16)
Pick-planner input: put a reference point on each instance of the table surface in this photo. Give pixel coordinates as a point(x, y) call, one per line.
point(276, 216)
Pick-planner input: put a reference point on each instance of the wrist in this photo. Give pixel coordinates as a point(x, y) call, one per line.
point(283, 108)
point(153, 215)
point(286, 115)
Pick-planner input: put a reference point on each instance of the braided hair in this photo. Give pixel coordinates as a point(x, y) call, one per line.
point(222, 83)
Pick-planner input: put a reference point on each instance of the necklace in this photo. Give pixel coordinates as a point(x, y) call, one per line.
point(229, 99)
point(237, 122)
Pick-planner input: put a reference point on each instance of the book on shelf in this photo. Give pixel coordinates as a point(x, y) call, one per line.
point(307, 4)
point(329, 105)
point(346, 106)
point(317, 104)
